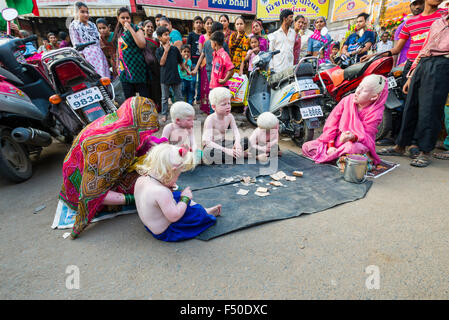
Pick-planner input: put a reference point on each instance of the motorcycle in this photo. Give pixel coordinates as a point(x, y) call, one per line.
point(291, 95)
point(79, 88)
point(391, 121)
point(337, 83)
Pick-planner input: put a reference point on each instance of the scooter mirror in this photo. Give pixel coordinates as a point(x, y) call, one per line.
point(9, 14)
point(324, 31)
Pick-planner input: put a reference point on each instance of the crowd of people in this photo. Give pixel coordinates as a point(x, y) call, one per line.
point(152, 60)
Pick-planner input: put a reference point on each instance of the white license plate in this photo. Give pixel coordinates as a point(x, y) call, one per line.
point(311, 112)
point(392, 83)
point(84, 98)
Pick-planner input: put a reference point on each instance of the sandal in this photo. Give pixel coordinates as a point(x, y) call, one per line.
point(413, 152)
point(421, 161)
point(391, 151)
point(441, 155)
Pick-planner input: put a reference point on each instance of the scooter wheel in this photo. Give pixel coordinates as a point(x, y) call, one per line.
point(250, 117)
point(15, 164)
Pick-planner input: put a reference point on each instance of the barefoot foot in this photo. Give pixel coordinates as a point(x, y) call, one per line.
point(215, 211)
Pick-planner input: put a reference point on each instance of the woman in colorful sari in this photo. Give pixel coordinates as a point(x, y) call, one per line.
point(154, 71)
point(352, 126)
point(316, 41)
point(257, 28)
point(82, 30)
point(96, 169)
point(106, 44)
point(238, 44)
point(131, 62)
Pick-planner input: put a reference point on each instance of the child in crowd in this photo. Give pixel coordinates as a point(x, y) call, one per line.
point(188, 81)
point(222, 66)
point(335, 54)
point(169, 215)
point(264, 141)
point(216, 148)
point(193, 41)
point(254, 51)
point(169, 58)
point(180, 131)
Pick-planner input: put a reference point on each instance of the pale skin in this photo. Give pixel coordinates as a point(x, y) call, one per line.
point(263, 140)
point(179, 131)
point(363, 97)
point(156, 206)
point(215, 127)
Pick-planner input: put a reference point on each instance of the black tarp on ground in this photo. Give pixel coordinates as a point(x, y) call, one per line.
point(321, 188)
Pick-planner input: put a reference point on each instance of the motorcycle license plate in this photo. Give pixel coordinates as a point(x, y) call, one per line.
point(311, 112)
point(84, 98)
point(392, 82)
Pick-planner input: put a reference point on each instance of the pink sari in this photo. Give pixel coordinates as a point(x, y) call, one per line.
point(346, 117)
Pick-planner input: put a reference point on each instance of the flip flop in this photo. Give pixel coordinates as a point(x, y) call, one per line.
point(441, 155)
point(414, 152)
point(385, 142)
point(421, 161)
point(389, 152)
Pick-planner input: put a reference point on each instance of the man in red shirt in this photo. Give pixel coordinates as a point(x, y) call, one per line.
point(427, 89)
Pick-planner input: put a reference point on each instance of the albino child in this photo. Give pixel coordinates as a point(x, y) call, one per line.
point(352, 126)
point(180, 131)
point(264, 141)
point(169, 215)
point(216, 147)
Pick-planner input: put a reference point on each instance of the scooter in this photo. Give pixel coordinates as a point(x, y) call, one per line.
point(79, 88)
point(291, 95)
point(337, 83)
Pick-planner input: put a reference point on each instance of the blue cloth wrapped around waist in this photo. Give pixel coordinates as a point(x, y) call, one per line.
point(194, 221)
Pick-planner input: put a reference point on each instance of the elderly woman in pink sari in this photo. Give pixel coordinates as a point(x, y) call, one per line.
point(352, 126)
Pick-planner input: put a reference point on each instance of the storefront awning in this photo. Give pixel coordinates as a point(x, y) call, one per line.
point(62, 12)
point(184, 14)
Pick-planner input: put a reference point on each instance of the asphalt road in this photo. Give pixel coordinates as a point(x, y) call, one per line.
point(400, 230)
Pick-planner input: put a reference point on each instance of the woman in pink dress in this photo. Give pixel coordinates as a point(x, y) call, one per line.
point(352, 126)
point(81, 31)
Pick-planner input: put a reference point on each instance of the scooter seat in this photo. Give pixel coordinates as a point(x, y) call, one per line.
point(276, 78)
point(355, 70)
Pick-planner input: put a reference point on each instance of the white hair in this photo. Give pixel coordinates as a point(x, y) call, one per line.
point(219, 94)
point(181, 110)
point(267, 120)
point(164, 160)
point(375, 82)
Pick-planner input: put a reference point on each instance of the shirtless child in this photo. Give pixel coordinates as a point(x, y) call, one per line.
point(180, 131)
point(169, 215)
point(264, 141)
point(216, 149)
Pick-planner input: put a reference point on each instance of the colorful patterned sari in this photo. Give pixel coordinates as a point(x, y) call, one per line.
point(238, 46)
point(101, 154)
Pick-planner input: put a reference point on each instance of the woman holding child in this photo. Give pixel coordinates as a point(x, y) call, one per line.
point(95, 171)
point(257, 29)
point(131, 63)
point(352, 126)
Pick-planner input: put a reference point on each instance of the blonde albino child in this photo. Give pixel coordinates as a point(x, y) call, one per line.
point(169, 215)
point(180, 131)
point(264, 141)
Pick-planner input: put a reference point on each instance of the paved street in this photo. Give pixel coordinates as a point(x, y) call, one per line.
point(401, 227)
